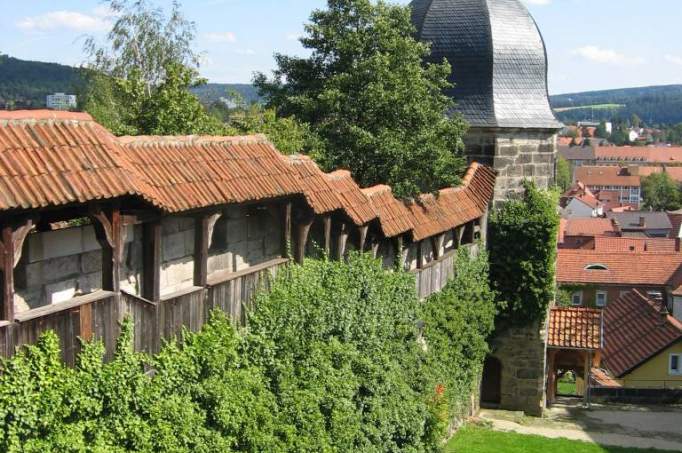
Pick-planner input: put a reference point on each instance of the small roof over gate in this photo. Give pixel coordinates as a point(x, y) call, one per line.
point(575, 328)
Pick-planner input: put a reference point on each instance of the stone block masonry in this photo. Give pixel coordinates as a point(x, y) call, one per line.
point(516, 154)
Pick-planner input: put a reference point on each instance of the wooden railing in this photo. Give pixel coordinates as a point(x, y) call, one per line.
point(433, 277)
point(98, 315)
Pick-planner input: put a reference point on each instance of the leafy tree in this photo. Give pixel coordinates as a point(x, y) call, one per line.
point(523, 241)
point(601, 131)
point(620, 137)
point(563, 174)
point(139, 83)
point(661, 192)
point(366, 91)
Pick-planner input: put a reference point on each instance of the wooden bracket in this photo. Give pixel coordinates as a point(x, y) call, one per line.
point(437, 244)
point(212, 220)
point(327, 220)
point(342, 240)
point(363, 237)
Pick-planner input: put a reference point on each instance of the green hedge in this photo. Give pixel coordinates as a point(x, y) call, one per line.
point(332, 360)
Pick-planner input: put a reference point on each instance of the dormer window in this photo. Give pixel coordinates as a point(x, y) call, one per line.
point(596, 267)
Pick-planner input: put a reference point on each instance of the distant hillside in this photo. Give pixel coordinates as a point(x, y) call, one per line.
point(212, 92)
point(655, 105)
point(26, 83)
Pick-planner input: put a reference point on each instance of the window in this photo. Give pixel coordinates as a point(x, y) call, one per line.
point(596, 267)
point(577, 298)
point(601, 299)
point(675, 365)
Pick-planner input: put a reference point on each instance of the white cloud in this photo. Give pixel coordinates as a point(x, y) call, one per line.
point(220, 37)
point(69, 20)
point(674, 59)
point(537, 2)
point(599, 55)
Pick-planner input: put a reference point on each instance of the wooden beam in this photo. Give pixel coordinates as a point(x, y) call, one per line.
point(201, 239)
point(437, 244)
point(287, 240)
point(342, 240)
point(327, 234)
point(551, 378)
point(399, 246)
point(420, 255)
point(151, 259)
point(376, 244)
point(362, 237)
point(111, 236)
point(302, 232)
point(7, 273)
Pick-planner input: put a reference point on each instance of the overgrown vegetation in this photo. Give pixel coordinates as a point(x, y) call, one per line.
point(661, 192)
point(331, 361)
point(523, 243)
point(365, 90)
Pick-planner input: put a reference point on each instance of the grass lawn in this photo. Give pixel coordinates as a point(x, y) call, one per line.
point(472, 439)
point(566, 386)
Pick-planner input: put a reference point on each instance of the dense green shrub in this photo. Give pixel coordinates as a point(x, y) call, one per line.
point(523, 238)
point(331, 360)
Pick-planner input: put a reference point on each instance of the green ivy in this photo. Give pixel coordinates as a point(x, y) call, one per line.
point(331, 361)
point(523, 238)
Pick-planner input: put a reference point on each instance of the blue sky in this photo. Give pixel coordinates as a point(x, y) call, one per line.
point(592, 44)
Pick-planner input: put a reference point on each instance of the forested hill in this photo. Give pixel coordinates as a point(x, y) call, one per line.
point(655, 105)
point(26, 83)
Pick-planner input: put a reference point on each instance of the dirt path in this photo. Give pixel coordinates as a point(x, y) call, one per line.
point(621, 426)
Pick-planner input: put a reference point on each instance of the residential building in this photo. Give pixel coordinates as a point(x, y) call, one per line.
point(579, 201)
point(642, 343)
point(580, 232)
point(613, 179)
point(638, 155)
point(577, 156)
point(61, 101)
point(642, 223)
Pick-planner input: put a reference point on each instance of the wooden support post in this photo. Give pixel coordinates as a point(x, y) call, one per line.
point(399, 245)
point(7, 274)
point(470, 232)
point(110, 233)
point(484, 228)
point(287, 241)
point(420, 255)
point(376, 243)
point(303, 229)
point(551, 376)
point(327, 234)
point(201, 238)
point(342, 241)
point(437, 244)
point(362, 237)
point(151, 259)
point(588, 376)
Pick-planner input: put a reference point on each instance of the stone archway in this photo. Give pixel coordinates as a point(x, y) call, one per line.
point(491, 384)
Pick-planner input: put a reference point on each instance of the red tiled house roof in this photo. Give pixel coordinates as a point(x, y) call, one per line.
point(625, 268)
point(640, 245)
point(635, 329)
point(318, 192)
point(590, 227)
point(394, 218)
point(55, 158)
point(575, 328)
point(353, 201)
point(606, 176)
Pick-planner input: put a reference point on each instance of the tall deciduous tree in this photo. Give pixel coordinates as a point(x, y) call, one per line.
point(563, 174)
point(366, 91)
point(661, 192)
point(139, 80)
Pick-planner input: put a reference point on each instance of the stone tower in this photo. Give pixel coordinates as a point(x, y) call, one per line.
point(499, 66)
point(499, 69)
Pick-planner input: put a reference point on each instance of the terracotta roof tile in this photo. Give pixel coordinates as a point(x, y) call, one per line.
point(575, 328)
point(606, 176)
point(638, 245)
point(668, 154)
point(635, 329)
point(319, 193)
point(589, 227)
point(394, 218)
point(626, 268)
point(55, 158)
point(195, 172)
point(353, 201)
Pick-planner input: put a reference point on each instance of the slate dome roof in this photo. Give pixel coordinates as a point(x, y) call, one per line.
point(498, 60)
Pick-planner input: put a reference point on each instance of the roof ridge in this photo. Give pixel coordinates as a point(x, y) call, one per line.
point(34, 116)
point(135, 140)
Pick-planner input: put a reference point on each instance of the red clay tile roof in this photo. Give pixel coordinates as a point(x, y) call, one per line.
point(582, 193)
point(54, 158)
point(574, 328)
point(626, 268)
point(394, 218)
point(606, 176)
point(635, 329)
point(319, 193)
point(602, 378)
point(627, 244)
point(590, 227)
point(670, 154)
point(353, 201)
point(194, 172)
